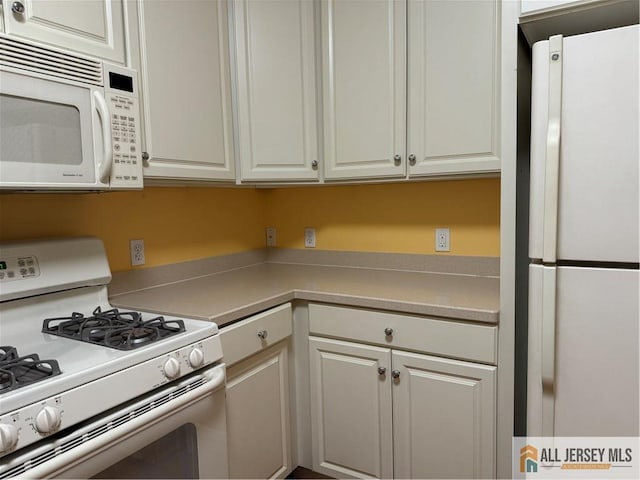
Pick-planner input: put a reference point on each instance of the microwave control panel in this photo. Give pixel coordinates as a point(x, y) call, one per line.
point(122, 96)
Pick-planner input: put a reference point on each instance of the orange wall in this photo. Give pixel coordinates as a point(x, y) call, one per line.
point(398, 217)
point(177, 224)
point(180, 224)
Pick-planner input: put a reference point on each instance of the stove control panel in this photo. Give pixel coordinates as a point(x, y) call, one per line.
point(18, 268)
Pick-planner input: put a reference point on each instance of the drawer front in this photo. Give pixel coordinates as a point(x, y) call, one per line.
point(421, 334)
point(256, 333)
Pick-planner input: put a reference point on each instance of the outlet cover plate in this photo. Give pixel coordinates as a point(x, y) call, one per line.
point(442, 240)
point(271, 236)
point(136, 247)
point(309, 237)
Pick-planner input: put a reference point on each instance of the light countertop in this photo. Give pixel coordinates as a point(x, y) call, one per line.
point(227, 296)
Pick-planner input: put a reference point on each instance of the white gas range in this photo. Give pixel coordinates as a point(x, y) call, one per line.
point(70, 364)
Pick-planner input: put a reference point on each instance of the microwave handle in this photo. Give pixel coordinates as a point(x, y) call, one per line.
point(104, 167)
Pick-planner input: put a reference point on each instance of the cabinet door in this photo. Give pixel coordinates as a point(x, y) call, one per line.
point(350, 409)
point(258, 431)
point(276, 89)
point(186, 95)
point(453, 87)
point(444, 418)
point(364, 93)
point(94, 28)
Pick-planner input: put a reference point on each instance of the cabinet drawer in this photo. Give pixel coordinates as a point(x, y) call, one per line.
point(421, 334)
point(241, 339)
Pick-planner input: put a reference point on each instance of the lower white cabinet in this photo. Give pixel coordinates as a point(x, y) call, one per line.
point(258, 411)
point(384, 412)
point(258, 431)
point(443, 417)
point(351, 409)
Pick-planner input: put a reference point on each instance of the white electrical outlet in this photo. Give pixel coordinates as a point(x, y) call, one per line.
point(442, 240)
point(271, 236)
point(136, 248)
point(309, 237)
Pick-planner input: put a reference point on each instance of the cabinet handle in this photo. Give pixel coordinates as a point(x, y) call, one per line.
point(412, 159)
point(396, 159)
point(17, 7)
point(262, 334)
point(395, 373)
point(388, 331)
point(145, 156)
point(314, 164)
point(382, 370)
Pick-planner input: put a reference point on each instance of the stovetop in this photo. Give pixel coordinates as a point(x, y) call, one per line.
point(113, 328)
point(81, 362)
point(19, 371)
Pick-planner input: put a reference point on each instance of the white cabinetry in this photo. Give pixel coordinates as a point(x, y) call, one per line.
point(445, 122)
point(381, 411)
point(95, 28)
point(258, 413)
point(276, 89)
point(453, 87)
point(364, 94)
point(183, 60)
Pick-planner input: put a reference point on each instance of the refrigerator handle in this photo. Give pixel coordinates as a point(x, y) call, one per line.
point(548, 351)
point(552, 159)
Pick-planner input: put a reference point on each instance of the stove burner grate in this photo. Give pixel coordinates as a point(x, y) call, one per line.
point(112, 328)
point(17, 371)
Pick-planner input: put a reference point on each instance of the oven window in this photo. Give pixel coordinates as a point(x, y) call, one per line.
point(173, 456)
point(35, 131)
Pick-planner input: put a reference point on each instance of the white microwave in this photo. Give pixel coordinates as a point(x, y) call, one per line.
point(67, 122)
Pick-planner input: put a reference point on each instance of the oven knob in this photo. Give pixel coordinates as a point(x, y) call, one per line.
point(8, 437)
point(48, 420)
point(171, 368)
point(196, 358)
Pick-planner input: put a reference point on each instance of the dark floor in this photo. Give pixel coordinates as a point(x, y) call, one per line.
point(301, 472)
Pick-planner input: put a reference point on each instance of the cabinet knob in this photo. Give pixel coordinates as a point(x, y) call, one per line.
point(314, 164)
point(17, 7)
point(388, 331)
point(396, 159)
point(412, 159)
point(395, 373)
point(262, 334)
point(145, 156)
point(382, 370)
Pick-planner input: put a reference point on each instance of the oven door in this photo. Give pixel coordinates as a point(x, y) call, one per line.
point(53, 134)
point(176, 432)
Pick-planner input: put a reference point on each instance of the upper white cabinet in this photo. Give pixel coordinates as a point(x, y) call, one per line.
point(453, 87)
point(364, 88)
point(95, 28)
point(276, 89)
point(183, 60)
point(410, 87)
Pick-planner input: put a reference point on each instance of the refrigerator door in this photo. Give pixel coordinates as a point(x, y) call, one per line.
point(597, 193)
point(595, 356)
point(597, 352)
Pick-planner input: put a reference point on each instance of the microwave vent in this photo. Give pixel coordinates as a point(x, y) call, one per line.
point(39, 58)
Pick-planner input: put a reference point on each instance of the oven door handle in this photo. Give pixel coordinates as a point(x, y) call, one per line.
point(215, 379)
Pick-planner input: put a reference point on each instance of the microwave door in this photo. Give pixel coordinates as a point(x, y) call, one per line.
point(47, 134)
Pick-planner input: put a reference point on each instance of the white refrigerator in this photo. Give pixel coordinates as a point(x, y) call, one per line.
point(583, 337)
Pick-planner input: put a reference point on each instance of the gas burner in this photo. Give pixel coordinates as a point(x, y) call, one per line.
point(112, 328)
point(17, 371)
